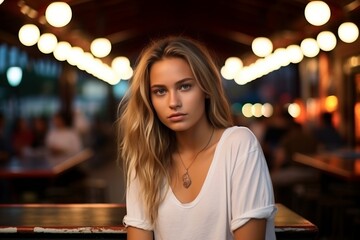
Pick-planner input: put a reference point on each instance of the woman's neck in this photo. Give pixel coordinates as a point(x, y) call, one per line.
point(194, 139)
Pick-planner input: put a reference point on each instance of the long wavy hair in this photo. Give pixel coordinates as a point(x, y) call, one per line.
point(145, 144)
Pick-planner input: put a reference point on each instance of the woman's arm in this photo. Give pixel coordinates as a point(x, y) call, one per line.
point(138, 234)
point(252, 230)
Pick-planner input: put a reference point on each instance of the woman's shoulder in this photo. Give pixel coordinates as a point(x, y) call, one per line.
point(237, 141)
point(237, 137)
point(239, 132)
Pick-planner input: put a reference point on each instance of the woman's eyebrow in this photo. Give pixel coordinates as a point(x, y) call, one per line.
point(177, 83)
point(157, 85)
point(185, 80)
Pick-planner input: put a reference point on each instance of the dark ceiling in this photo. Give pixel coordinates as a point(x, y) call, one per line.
point(226, 26)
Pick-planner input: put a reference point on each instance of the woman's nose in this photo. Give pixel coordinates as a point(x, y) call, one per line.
point(174, 100)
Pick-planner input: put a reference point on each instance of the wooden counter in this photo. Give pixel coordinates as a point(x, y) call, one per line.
point(104, 221)
point(290, 225)
point(341, 164)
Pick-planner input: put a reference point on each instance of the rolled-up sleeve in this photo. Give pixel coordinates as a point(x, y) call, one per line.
point(135, 212)
point(251, 188)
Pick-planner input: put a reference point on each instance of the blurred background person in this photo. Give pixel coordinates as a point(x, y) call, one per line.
point(326, 134)
point(40, 127)
point(62, 138)
point(285, 172)
point(276, 127)
point(297, 139)
point(21, 136)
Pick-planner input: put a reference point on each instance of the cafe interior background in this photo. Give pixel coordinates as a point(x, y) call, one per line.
point(79, 55)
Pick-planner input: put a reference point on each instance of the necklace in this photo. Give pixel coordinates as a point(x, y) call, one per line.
point(186, 177)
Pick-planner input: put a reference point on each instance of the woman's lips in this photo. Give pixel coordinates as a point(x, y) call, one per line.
point(177, 117)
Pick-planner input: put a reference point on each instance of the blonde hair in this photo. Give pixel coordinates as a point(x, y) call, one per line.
point(145, 145)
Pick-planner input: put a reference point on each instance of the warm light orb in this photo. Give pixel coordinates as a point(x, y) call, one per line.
point(29, 34)
point(62, 50)
point(100, 47)
point(326, 40)
point(120, 64)
point(294, 53)
point(331, 103)
point(234, 63)
point(267, 110)
point(317, 13)
point(247, 74)
point(58, 14)
point(127, 74)
point(256, 110)
point(85, 61)
point(348, 32)
point(281, 57)
point(231, 67)
point(47, 43)
point(294, 110)
point(309, 47)
point(225, 73)
point(76, 56)
point(262, 46)
point(94, 66)
point(247, 110)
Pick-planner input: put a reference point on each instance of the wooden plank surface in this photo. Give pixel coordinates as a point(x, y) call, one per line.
point(338, 164)
point(287, 220)
point(42, 166)
point(106, 219)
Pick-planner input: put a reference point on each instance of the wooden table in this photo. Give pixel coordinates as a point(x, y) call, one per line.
point(94, 221)
point(35, 174)
point(338, 192)
point(290, 225)
point(342, 164)
point(41, 166)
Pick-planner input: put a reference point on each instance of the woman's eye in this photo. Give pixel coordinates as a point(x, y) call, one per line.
point(159, 91)
point(185, 86)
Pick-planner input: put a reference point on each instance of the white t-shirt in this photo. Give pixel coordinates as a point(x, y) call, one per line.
point(237, 188)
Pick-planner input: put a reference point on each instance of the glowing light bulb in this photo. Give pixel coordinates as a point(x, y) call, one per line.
point(317, 13)
point(29, 34)
point(262, 46)
point(58, 14)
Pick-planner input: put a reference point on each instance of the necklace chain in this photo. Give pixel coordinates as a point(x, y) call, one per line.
point(186, 177)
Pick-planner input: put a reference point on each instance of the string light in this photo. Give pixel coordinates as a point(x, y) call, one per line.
point(47, 43)
point(317, 13)
point(309, 47)
point(326, 40)
point(262, 46)
point(29, 34)
point(100, 47)
point(348, 32)
point(58, 14)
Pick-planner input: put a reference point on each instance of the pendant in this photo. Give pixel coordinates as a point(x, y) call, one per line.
point(186, 180)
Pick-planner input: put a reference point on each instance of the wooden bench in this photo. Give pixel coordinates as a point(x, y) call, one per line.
point(104, 221)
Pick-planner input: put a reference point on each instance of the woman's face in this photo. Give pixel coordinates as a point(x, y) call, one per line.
point(176, 96)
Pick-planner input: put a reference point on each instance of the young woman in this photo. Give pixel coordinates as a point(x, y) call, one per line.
point(190, 173)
